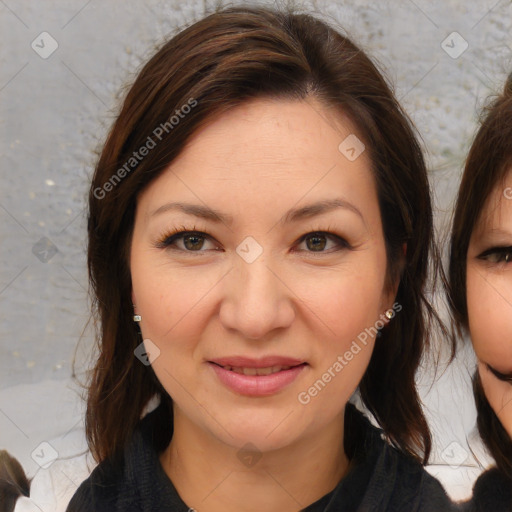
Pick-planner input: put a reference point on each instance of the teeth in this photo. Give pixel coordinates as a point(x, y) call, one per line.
point(256, 371)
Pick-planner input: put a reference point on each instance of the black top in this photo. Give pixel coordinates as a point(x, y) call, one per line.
point(492, 492)
point(381, 478)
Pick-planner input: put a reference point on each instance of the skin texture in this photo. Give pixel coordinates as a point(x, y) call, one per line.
point(489, 299)
point(302, 299)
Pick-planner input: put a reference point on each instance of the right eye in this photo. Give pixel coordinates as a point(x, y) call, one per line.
point(499, 375)
point(190, 241)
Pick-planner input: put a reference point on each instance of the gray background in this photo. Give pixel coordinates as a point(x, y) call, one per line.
point(54, 114)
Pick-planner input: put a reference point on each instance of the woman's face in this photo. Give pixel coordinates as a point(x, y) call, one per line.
point(489, 298)
point(255, 309)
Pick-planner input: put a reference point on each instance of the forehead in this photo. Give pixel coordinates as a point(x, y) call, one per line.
point(497, 210)
point(268, 146)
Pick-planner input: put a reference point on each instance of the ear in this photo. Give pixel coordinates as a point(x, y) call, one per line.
point(389, 298)
point(401, 265)
point(134, 302)
point(390, 295)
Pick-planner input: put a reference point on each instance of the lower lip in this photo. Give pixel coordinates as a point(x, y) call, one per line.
point(257, 385)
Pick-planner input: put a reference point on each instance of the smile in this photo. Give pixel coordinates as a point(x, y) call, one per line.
point(256, 378)
point(256, 371)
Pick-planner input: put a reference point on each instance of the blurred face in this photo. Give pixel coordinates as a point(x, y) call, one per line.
point(258, 261)
point(489, 299)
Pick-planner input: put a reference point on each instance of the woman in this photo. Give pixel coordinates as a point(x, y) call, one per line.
point(259, 234)
point(481, 291)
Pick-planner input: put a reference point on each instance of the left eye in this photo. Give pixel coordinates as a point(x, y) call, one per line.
point(191, 241)
point(499, 375)
point(497, 255)
point(316, 242)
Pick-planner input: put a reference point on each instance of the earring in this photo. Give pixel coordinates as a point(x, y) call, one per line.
point(389, 314)
point(137, 318)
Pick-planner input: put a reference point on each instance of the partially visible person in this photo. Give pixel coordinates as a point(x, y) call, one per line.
point(480, 292)
point(13, 482)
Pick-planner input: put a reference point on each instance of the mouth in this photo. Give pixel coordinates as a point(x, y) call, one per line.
point(267, 370)
point(257, 377)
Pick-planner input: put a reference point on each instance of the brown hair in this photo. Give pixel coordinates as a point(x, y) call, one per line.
point(13, 482)
point(488, 161)
point(227, 58)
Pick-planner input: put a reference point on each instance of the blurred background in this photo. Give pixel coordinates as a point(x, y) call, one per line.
point(63, 68)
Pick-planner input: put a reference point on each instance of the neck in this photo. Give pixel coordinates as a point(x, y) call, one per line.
point(212, 476)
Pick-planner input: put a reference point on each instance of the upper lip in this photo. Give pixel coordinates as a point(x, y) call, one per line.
point(263, 362)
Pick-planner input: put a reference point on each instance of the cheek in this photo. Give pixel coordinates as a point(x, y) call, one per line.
point(353, 307)
point(489, 301)
point(349, 306)
point(343, 343)
point(499, 395)
point(171, 303)
point(169, 299)
point(342, 303)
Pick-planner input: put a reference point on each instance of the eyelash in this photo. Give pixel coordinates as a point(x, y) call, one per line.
point(167, 239)
point(500, 376)
point(504, 255)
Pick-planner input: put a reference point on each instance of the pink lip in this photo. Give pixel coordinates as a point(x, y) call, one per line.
point(257, 385)
point(263, 362)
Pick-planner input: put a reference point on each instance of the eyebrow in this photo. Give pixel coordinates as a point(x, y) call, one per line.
point(495, 231)
point(293, 215)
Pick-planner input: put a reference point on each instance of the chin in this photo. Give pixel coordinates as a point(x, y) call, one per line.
point(269, 430)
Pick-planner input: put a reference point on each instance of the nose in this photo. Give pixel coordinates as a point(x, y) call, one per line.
point(256, 300)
